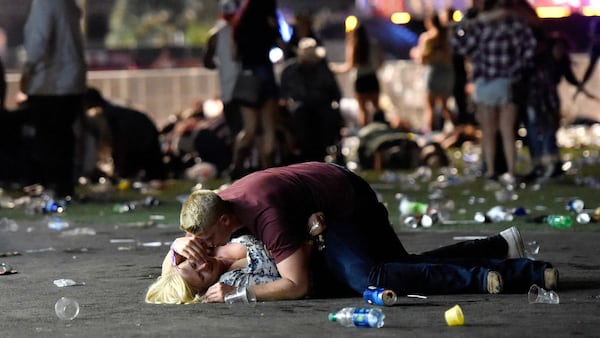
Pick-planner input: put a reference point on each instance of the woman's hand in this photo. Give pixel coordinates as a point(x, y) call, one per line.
point(216, 293)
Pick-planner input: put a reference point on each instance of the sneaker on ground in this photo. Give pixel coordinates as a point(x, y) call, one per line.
point(516, 249)
point(537, 172)
point(550, 279)
point(555, 170)
point(494, 282)
point(507, 179)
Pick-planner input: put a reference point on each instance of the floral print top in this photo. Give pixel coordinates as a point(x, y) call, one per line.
point(261, 267)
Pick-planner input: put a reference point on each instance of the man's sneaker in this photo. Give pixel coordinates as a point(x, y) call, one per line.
point(537, 172)
point(494, 282)
point(555, 170)
point(550, 279)
point(507, 179)
point(515, 242)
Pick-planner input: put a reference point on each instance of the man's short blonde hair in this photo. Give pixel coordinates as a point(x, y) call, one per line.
point(171, 288)
point(201, 209)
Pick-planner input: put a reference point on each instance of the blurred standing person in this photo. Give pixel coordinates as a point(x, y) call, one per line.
point(219, 55)
point(255, 33)
point(463, 113)
point(54, 79)
point(552, 63)
point(594, 53)
point(310, 92)
point(364, 57)
point(500, 46)
point(435, 53)
point(2, 86)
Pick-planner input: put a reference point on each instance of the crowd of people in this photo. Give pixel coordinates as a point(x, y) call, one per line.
point(499, 64)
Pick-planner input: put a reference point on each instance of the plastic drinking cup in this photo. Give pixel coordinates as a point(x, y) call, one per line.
point(241, 295)
point(540, 295)
point(66, 308)
point(454, 316)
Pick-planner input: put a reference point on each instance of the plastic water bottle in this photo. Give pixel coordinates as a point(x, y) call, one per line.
point(52, 206)
point(358, 317)
point(407, 207)
point(559, 221)
point(575, 205)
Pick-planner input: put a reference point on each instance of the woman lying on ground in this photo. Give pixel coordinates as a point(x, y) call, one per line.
point(240, 263)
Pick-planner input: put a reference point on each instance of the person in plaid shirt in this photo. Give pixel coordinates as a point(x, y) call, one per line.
point(500, 47)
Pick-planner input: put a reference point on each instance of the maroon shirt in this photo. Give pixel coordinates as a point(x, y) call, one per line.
point(274, 204)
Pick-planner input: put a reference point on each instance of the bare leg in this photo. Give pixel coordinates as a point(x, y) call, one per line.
point(429, 111)
point(507, 120)
point(361, 119)
point(446, 113)
point(488, 120)
point(269, 125)
point(245, 139)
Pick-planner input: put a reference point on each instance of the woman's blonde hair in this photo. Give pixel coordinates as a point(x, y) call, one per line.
point(201, 209)
point(171, 288)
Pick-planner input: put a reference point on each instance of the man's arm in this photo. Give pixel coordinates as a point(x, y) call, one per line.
point(209, 55)
point(295, 278)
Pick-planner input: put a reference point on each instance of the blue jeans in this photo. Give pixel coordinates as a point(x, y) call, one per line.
point(365, 250)
point(541, 136)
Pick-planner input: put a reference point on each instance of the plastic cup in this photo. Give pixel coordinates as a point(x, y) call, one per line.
point(66, 308)
point(454, 316)
point(540, 295)
point(241, 295)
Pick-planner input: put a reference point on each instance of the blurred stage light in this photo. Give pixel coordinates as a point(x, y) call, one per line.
point(400, 18)
point(553, 12)
point(351, 23)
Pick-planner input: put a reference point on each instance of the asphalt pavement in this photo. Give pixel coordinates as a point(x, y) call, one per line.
point(114, 264)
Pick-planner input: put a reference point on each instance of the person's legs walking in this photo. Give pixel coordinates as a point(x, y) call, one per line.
point(54, 145)
point(487, 117)
point(244, 141)
point(507, 120)
point(268, 122)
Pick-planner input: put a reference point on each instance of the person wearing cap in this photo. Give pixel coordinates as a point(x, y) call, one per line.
point(310, 93)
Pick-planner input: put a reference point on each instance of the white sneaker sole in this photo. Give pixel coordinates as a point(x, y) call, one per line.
point(515, 242)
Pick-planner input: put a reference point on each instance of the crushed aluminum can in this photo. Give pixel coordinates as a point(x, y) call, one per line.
point(379, 296)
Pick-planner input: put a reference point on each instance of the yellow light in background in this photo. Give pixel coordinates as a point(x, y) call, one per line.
point(590, 11)
point(457, 16)
point(553, 12)
point(351, 23)
point(400, 18)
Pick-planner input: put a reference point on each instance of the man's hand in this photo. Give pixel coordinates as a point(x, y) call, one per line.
point(316, 223)
point(25, 78)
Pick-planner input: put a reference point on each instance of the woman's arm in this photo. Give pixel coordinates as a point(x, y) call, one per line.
point(340, 68)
